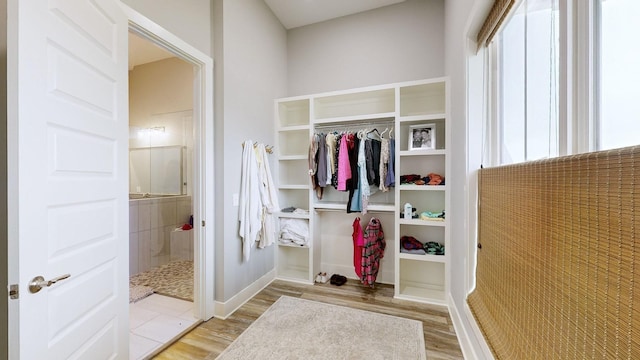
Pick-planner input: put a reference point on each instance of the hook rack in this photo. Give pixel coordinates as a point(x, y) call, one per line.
point(267, 148)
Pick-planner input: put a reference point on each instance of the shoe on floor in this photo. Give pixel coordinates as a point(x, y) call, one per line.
point(338, 280)
point(322, 278)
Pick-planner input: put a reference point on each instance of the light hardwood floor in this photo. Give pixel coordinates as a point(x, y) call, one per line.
point(210, 338)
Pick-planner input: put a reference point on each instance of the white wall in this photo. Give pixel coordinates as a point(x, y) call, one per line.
point(462, 21)
point(396, 43)
point(250, 53)
point(189, 20)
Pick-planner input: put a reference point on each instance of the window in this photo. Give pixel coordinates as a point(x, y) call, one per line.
point(601, 96)
point(619, 118)
point(528, 82)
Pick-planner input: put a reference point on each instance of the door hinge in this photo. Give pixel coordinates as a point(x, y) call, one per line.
point(13, 291)
point(202, 222)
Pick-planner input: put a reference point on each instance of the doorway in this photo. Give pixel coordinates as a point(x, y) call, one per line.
point(174, 140)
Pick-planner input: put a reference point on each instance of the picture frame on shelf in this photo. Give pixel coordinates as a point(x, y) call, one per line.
point(422, 137)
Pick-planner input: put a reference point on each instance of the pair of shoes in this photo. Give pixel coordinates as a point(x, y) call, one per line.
point(321, 277)
point(338, 280)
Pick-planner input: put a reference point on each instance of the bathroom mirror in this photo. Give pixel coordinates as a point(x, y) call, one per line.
point(156, 170)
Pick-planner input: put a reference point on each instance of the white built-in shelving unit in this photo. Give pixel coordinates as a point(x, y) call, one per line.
point(396, 106)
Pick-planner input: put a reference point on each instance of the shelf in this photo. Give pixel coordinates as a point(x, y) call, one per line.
point(293, 157)
point(292, 274)
point(421, 118)
point(294, 245)
point(422, 152)
point(420, 294)
point(292, 215)
point(357, 118)
point(359, 104)
point(343, 206)
point(423, 187)
point(294, 128)
point(294, 187)
point(292, 112)
point(423, 99)
point(426, 257)
point(419, 222)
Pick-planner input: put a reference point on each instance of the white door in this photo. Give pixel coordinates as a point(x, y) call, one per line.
point(68, 140)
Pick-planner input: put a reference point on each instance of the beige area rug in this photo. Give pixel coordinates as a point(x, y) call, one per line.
point(294, 328)
point(174, 279)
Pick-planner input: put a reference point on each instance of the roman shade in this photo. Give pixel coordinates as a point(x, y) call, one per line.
point(496, 16)
point(558, 271)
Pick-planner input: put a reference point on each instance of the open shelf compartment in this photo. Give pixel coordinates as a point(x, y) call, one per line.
point(421, 280)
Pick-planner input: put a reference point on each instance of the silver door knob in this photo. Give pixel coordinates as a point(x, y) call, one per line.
point(39, 282)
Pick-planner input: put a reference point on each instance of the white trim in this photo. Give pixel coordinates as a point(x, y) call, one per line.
point(203, 121)
point(225, 309)
point(584, 119)
point(566, 79)
point(469, 351)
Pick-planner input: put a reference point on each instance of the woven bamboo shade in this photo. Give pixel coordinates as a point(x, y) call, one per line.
point(558, 274)
point(497, 14)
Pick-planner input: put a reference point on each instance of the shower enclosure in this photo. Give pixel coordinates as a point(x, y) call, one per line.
point(160, 199)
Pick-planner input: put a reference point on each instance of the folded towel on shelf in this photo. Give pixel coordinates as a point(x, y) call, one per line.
point(294, 231)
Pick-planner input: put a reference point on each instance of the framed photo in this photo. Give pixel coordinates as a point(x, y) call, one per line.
point(422, 137)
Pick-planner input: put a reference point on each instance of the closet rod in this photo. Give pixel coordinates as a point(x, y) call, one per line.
point(358, 213)
point(388, 124)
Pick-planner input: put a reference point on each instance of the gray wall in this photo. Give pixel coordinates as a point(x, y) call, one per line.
point(395, 43)
point(250, 51)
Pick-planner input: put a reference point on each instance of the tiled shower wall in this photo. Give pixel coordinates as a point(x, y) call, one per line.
point(151, 222)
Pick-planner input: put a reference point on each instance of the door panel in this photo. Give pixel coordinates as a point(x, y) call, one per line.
point(68, 195)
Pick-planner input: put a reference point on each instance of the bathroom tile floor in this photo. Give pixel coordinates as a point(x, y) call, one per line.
point(155, 321)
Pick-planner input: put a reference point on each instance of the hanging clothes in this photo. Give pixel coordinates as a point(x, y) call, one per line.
point(373, 251)
point(321, 174)
point(336, 159)
point(268, 197)
point(384, 163)
point(358, 246)
point(354, 204)
point(331, 163)
point(344, 168)
point(391, 175)
point(250, 209)
point(313, 165)
point(362, 175)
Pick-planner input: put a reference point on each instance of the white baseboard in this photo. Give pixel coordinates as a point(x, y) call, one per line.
point(469, 351)
point(224, 309)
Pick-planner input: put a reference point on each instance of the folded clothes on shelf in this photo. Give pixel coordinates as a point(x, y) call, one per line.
point(415, 179)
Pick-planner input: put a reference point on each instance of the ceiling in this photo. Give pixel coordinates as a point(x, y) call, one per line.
point(142, 51)
point(291, 13)
point(295, 13)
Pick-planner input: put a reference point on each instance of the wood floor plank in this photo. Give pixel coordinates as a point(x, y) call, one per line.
point(210, 338)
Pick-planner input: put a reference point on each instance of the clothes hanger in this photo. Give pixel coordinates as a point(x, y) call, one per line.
point(374, 132)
